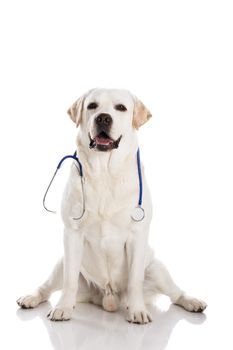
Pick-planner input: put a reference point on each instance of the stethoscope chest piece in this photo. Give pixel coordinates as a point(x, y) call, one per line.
point(138, 214)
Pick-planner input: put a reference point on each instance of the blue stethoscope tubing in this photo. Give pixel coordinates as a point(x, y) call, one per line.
point(139, 178)
point(80, 169)
point(139, 211)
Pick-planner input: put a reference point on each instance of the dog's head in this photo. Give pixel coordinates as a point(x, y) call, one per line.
point(108, 116)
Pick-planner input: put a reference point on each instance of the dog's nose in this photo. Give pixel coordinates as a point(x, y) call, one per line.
point(103, 119)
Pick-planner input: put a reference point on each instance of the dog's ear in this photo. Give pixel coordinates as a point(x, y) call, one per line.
point(141, 114)
point(75, 111)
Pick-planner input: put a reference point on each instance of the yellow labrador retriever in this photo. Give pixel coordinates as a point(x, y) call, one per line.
point(107, 260)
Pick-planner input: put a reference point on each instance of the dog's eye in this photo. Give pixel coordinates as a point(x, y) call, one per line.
point(92, 105)
point(121, 108)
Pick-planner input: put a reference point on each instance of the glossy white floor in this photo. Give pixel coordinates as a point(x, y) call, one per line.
point(93, 328)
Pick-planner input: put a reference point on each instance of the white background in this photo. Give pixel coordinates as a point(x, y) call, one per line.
point(176, 56)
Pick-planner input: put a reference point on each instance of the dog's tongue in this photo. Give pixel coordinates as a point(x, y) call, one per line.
point(103, 140)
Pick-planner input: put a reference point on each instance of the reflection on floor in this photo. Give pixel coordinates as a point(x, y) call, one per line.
point(92, 328)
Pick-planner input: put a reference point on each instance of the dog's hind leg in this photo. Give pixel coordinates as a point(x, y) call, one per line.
point(43, 292)
point(158, 281)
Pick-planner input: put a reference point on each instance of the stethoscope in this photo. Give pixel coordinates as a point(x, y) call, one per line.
point(138, 213)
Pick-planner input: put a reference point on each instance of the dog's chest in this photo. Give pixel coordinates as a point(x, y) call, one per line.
point(104, 255)
point(107, 197)
point(107, 227)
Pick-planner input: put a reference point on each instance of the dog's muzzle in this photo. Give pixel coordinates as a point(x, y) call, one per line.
point(102, 140)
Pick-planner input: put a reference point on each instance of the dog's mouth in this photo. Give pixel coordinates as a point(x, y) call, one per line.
point(103, 139)
point(103, 142)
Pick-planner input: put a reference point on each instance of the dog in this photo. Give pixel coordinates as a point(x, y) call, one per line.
point(107, 260)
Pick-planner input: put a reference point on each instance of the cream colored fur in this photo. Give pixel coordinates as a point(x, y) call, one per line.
point(107, 259)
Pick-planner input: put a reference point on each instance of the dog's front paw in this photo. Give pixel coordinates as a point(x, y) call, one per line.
point(29, 301)
point(60, 313)
point(140, 316)
point(191, 304)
